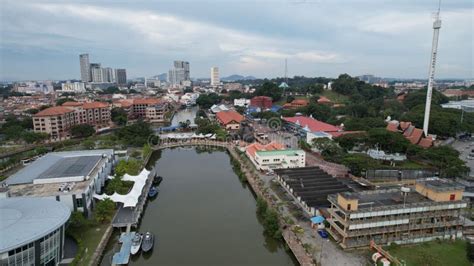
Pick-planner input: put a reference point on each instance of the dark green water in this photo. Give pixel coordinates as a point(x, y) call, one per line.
point(203, 215)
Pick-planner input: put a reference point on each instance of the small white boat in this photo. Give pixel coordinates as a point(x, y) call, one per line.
point(136, 243)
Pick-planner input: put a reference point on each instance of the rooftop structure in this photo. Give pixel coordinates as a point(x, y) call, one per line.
point(32, 231)
point(410, 132)
point(25, 220)
point(230, 119)
point(310, 186)
point(274, 156)
point(432, 209)
point(263, 102)
point(71, 177)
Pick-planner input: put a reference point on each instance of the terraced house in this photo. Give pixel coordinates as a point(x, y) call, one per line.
point(430, 210)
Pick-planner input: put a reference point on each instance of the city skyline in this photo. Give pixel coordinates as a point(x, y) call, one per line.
point(248, 38)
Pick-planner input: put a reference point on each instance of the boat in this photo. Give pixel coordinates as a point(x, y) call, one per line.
point(153, 192)
point(148, 241)
point(136, 243)
point(157, 180)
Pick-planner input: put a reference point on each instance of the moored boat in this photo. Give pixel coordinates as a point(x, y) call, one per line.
point(157, 180)
point(148, 241)
point(136, 243)
point(153, 192)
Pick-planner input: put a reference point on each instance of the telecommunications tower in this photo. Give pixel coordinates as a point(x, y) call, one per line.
point(434, 52)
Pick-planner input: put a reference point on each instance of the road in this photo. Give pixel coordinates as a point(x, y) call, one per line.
point(465, 148)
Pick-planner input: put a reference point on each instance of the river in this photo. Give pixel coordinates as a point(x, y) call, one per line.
point(204, 215)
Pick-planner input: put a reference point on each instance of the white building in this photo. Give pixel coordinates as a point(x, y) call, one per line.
point(215, 81)
point(69, 177)
point(33, 87)
point(242, 102)
point(275, 156)
point(176, 76)
point(73, 87)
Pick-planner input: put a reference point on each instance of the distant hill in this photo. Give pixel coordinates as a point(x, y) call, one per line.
point(237, 77)
point(162, 77)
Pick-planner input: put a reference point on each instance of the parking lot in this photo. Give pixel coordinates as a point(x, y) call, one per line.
point(466, 148)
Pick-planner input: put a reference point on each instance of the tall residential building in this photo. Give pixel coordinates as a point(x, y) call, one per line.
point(120, 76)
point(96, 73)
point(108, 74)
point(185, 66)
point(176, 76)
point(85, 67)
point(215, 81)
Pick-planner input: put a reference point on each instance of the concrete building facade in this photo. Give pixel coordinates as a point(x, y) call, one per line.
point(85, 68)
point(430, 210)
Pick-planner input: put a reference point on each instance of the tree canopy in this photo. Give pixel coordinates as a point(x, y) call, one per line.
point(269, 89)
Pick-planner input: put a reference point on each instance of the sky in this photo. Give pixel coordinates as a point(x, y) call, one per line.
point(42, 40)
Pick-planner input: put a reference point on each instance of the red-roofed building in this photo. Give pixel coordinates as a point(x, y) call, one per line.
point(310, 124)
point(274, 155)
point(324, 100)
point(55, 121)
point(263, 102)
point(411, 133)
point(295, 104)
point(229, 119)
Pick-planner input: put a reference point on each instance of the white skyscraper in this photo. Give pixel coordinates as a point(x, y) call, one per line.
point(85, 67)
point(176, 76)
point(96, 72)
point(120, 76)
point(215, 81)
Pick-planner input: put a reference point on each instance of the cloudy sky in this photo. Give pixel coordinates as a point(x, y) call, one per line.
point(43, 39)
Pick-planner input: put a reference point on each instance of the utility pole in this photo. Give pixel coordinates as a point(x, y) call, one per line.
point(434, 52)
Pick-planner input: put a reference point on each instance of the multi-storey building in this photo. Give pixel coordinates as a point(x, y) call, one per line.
point(73, 87)
point(120, 76)
point(215, 81)
point(85, 67)
point(176, 76)
point(185, 66)
point(156, 113)
point(96, 73)
point(57, 121)
point(431, 210)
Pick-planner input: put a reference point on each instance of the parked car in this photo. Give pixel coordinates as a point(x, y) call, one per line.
point(323, 233)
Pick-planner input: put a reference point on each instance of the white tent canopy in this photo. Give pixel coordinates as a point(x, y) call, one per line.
point(130, 199)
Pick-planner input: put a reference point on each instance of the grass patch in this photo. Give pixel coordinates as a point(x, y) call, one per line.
point(335, 97)
point(88, 238)
point(432, 253)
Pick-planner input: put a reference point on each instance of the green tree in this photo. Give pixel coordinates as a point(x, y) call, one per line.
point(135, 135)
point(33, 137)
point(387, 140)
point(119, 116)
point(104, 210)
point(60, 101)
point(364, 124)
point(328, 148)
point(446, 160)
point(269, 89)
point(82, 130)
point(418, 97)
point(77, 220)
point(88, 144)
point(207, 100)
point(349, 141)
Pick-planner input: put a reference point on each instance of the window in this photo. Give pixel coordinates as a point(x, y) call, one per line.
point(452, 197)
point(79, 202)
point(348, 207)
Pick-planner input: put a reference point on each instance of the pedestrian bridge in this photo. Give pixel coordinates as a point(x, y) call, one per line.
point(192, 142)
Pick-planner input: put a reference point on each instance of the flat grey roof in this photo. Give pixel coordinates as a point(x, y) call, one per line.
point(59, 164)
point(381, 198)
point(24, 220)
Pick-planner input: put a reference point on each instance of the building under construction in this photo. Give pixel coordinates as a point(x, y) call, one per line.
point(431, 209)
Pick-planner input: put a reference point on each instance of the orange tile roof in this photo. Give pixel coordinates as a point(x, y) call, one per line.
point(226, 117)
point(405, 125)
point(426, 142)
point(323, 99)
point(93, 105)
point(415, 136)
point(71, 104)
point(146, 101)
point(254, 147)
point(392, 126)
point(56, 110)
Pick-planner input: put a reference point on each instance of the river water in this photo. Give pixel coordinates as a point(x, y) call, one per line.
point(204, 215)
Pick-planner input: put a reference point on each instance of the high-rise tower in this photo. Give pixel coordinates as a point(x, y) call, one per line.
point(434, 53)
point(85, 68)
